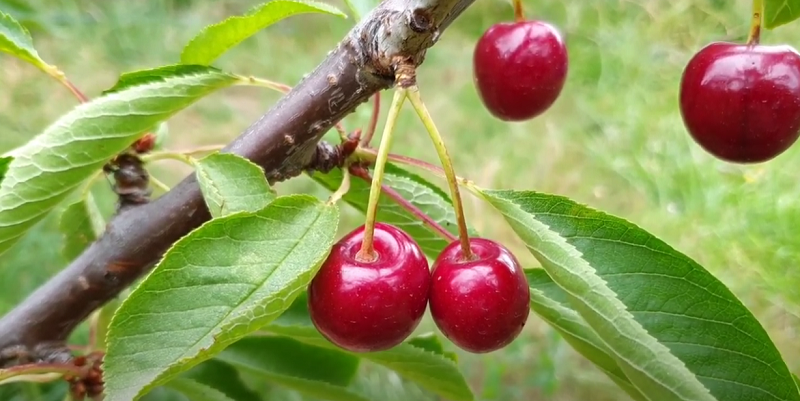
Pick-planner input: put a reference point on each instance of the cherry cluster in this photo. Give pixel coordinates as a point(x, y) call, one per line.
point(480, 303)
point(372, 291)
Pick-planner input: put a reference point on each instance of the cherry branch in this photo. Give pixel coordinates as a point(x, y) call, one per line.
point(285, 141)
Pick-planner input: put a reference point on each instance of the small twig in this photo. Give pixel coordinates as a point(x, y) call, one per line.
point(362, 173)
point(373, 122)
point(160, 185)
point(343, 187)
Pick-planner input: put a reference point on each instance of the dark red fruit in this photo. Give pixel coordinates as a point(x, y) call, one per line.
point(741, 103)
point(370, 306)
point(480, 305)
point(145, 144)
point(519, 68)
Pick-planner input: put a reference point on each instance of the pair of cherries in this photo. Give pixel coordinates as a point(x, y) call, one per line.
point(480, 304)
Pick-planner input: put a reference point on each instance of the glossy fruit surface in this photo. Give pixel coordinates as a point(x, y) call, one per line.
point(742, 103)
point(370, 306)
point(519, 69)
point(483, 304)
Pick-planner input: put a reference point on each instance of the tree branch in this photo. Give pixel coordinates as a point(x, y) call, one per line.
point(284, 141)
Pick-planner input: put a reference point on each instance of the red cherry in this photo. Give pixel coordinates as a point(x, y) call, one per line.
point(145, 144)
point(519, 68)
point(370, 306)
point(741, 103)
point(481, 305)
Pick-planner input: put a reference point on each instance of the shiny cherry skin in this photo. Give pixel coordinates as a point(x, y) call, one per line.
point(480, 305)
point(519, 69)
point(370, 306)
point(741, 103)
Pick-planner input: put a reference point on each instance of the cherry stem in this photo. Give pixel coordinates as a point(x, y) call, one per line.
point(373, 122)
point(181, 157)
point(519, 15)
point(369, 155)
point(438, 143)
point(367, 253)
point(158, 184)
point(408, 206)
point(755, 25)
point(41, 368)
point(75, 91)
point(283, 88)
point(343, 187)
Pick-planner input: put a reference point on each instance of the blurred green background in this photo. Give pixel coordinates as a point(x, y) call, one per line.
point(614, 140)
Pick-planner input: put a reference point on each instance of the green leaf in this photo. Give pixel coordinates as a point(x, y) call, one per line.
point(675, 330)
point(780, 12)
point(551, 303)
point(17, 41)
point(430, 342)
point(4, 162)
point(158, 74)
point(314, 371)
point(197, 391)
point(433, 372)
point(214, 40)
point(81, 224)
point(214, 286)
point(49, 167)
point(231, 184)
point(222, 377)
point(415, 189)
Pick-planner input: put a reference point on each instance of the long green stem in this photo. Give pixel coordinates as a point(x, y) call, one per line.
point(755, 25)
point(367, 253)
point(438, 143)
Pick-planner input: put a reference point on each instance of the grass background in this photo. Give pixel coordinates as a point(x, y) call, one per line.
point(614, 140)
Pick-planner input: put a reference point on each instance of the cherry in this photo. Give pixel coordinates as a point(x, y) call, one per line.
point(482, 304)
point(365, 306)
point(519, 68)
point(741, 103)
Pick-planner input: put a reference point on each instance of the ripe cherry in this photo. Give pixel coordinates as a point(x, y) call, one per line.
point(365, 306)
point(741, 103)
point(481, 305)
point(519, 68)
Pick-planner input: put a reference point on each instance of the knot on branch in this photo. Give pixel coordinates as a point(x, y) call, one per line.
point(131, 180)
point(398, 31)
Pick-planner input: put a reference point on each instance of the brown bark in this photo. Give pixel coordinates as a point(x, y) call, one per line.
point(284, 141)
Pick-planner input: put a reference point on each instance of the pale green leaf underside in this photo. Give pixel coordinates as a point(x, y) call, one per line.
point(196, 391)
point(415, 189)
point(81, 224)
point(214, 40)
point(214, 286)
point(551, 303)
point(45, 170)
point(17, 41)
point(436, 373)
point(780, 12)
point(232, 184)
point(676, 331)
point(318, 372)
